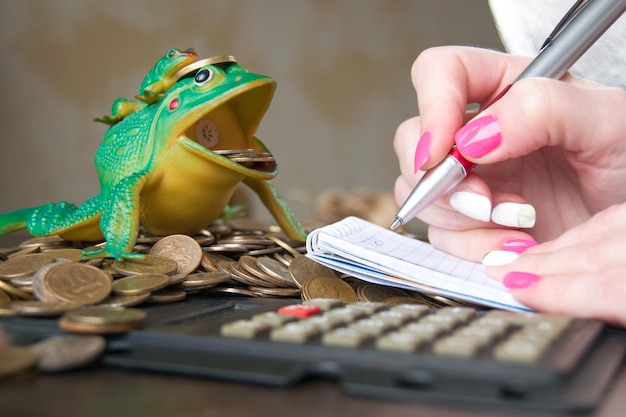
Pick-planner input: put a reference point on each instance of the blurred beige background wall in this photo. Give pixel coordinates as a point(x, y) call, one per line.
point(342, 69)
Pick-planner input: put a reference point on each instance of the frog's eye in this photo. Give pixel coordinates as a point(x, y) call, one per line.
point(171, 53)
point(203, 76)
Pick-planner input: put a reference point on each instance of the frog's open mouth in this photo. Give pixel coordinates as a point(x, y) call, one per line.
point(227, 128)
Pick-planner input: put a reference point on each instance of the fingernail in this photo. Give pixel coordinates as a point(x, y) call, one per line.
point(518, 280)
point(472, 205)
point(514, 215)
point(518, 245)
point(422, 152)
point(499, 257)
point(478, 137)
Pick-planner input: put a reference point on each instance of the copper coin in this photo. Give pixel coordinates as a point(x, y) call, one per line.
point(77, 283)
point(301, 268)
point(24, 265)
point(328, 286)
point(183, 249)
point(139, 284)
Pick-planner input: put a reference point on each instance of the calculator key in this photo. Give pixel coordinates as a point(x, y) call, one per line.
point(273, 318)
point(324, 322)
point(300, 310)
point(401, 342)
point(369, 307)
point(447, 322)
point(346, 337)
point(463, 313)
point(371, 326)
point(346, 314)
point(294, 332)
point(427, 330)
point(324, 303)
point(395, 318)
point(413, 310)
point(520, 350)
point(246, 329)
point(460, 346)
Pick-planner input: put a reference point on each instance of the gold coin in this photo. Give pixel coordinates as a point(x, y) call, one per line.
point(41, 308)
point(328, 286)
point(4, 297)
point(183, 249)
point(276, 270)
point(43, 242)
point(77, 283)
point(123, 300)
point(102, 319)
point(15, 292)
point(219, 59)
point(284, 245)
point(378, 293)
point(205, 278)
point(167, 296)
point(69, 254)
point(62, 353)
point(24, 265)
point(250, 264)
point(16, 359)
point(301, 268)
point(152, 264)
point(210, 261)
point(139, 284)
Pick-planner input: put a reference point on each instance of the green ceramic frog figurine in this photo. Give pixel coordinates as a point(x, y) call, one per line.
point(166, 167)
point(153, 87)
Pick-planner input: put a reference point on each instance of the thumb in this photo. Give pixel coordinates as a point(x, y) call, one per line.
point(536, 112)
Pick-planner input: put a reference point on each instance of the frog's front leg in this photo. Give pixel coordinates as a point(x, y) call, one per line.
point(278, 207)
point(120, 219)
point(53, 219)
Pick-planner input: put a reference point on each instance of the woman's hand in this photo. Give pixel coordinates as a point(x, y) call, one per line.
point(549, 184)
point(556, 145)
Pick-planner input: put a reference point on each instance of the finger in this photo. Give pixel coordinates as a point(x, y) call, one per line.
point(473, 244)
point(583, 294)
point(405, 143)
point(446, 79)
point(536, 113)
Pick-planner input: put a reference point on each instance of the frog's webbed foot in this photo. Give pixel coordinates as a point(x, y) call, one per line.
point(233, 212)
point(121, 108)
point(107, 252)
point(149, 96)
point(108, 120)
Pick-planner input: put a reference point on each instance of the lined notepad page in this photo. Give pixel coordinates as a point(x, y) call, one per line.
point(379, 255)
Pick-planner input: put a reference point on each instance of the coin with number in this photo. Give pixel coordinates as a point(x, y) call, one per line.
point(139, 284)
point(183, 249)
point(77, 283)
point(152, 264)
point(102, 320)
point(24, 265)
point(301, 268)
point(328, 286)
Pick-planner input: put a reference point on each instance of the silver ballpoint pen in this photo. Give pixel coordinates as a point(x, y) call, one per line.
point(584, 23)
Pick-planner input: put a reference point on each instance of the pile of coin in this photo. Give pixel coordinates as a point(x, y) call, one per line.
point(46, 277)
point(246, 157)
point(245, 257)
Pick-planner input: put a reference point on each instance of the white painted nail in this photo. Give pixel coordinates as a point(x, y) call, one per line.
point(499, 257)
point(514, 215)
point(472, 205)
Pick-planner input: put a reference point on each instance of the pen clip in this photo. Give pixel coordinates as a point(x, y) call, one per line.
point(565, 20)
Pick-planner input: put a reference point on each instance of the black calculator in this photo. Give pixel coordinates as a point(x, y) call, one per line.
point(405, 352)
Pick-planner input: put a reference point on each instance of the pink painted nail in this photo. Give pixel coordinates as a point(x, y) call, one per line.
point(519, 280)
point(518, 245)
point(478, 137)
point(422, 152)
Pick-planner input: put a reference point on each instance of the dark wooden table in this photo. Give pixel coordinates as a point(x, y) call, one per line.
point(120, 393)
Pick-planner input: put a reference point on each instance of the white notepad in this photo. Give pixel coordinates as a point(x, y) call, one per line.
point(372, 253)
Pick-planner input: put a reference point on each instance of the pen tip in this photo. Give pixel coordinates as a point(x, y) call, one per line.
point(397, 222)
